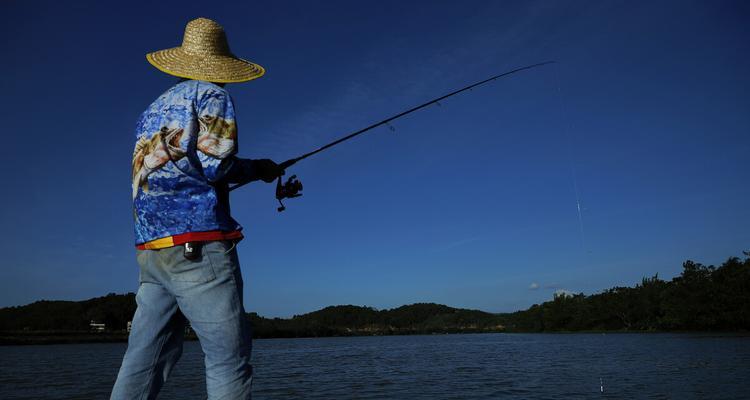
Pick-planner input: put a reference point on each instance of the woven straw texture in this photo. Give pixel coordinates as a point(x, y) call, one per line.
point(205, 55)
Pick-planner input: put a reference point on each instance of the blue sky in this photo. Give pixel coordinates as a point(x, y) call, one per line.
point(467, 204)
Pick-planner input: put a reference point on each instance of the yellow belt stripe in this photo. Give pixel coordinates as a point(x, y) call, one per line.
point(159, 243)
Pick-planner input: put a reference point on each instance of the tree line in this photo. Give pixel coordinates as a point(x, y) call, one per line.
point(704, 298)
point(700, 298)
point(349, 320)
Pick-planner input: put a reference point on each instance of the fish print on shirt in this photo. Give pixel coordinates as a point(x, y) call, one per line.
point(182, 138)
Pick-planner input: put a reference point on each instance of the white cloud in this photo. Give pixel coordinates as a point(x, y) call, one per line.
point(534, 286)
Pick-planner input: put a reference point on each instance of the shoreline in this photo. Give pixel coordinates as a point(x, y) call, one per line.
point(23, 338)
point(52, 338)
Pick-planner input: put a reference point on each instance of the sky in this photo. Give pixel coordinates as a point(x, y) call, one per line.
point(642, 124)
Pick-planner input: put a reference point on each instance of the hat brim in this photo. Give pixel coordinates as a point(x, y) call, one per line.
point(211, 68)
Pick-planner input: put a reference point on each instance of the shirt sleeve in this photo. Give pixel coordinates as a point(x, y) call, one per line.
point(217, 132)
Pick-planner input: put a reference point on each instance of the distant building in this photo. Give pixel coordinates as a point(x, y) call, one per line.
point(96, 327)
point(562, 293)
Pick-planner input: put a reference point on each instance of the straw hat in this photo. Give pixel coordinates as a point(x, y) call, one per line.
point(205, 55)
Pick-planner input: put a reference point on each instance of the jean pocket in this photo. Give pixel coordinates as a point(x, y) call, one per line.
point(144, 264)
point(183, 270)
point(222, 255)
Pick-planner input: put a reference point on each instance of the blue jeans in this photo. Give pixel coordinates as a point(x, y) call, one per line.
point(208, 292)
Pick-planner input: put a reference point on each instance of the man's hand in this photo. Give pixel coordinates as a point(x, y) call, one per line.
point(267, 170)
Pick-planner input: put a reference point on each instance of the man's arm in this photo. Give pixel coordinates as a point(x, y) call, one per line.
point(244, 170)
point(217, 143)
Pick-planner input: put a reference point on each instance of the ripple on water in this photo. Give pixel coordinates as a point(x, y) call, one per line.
point(491, 366)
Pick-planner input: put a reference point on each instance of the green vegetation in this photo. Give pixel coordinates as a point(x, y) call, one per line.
point(701, 298)
point(114, 310)
point(420, 318)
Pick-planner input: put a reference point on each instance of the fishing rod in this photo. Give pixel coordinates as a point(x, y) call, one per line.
point(292, 187)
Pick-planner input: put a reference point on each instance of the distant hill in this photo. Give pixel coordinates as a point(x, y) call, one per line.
point(355, 320)
point(701, 298)
point(114, 310)
point(63, 319)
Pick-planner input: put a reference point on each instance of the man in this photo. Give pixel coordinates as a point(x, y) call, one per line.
point(183, 161)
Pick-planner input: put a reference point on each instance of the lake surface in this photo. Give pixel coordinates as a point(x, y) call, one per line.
point(478, 366)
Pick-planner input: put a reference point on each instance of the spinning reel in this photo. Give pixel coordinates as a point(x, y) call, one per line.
point(289, 190)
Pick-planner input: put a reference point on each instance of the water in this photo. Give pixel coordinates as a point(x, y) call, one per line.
point(487, 366)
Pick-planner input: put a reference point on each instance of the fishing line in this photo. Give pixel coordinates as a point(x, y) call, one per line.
point(578, 206)
point(566, 133)
point(574, 175)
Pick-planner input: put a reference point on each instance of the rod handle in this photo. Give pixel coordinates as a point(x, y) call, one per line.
point(288, 163)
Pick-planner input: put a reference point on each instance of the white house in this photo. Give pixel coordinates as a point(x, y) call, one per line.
point(96, 327)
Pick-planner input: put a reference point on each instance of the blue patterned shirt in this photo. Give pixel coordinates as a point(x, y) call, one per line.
point(182, 139)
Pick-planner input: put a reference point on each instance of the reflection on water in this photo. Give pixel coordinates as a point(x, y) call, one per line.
point(487, 366)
